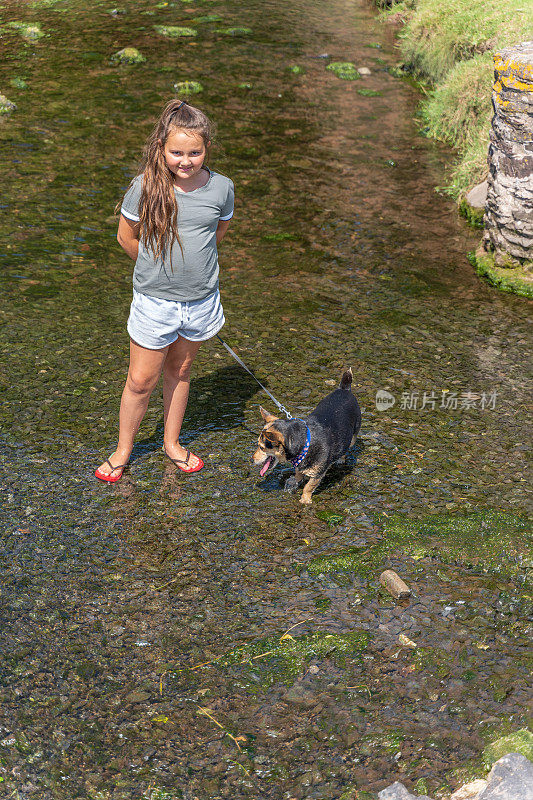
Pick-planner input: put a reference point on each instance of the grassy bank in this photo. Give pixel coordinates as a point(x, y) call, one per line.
point(450, 44)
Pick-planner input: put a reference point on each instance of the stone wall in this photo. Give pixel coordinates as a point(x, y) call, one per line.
point(508, 219)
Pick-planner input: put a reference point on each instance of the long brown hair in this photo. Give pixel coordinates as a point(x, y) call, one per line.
point(158, 209)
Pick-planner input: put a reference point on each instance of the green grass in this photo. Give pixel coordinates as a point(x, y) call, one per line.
point(450, 43)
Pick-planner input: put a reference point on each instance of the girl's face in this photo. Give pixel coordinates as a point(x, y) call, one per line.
point(185, 152)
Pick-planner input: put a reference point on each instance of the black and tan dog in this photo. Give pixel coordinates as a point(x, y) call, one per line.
point(314, 444)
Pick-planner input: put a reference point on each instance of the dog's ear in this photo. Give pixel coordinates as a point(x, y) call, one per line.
point(266, 416)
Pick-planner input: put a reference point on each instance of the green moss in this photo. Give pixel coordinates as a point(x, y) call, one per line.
point(474, 216)
point(175, 31)
point(128, 55)
point(517, 280)
point(331, 517)
point(18, 83)
point(278, 659)
point(493, 540)
point(6, 106)
point(296, 69)
point(369, 93)
point(207, 18)
point(344, 70)
point(279, 237)
point(188, 87)
point(235, 31)
point(28, 31)
point(433, 661)
point(519, 742)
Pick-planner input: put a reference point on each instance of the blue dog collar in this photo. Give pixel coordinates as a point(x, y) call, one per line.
point(298, 460)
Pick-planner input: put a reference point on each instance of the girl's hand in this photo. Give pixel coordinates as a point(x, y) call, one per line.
point(128, 236)
point(222, 228)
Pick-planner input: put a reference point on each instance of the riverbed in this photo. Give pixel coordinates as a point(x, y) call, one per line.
point(207, 636)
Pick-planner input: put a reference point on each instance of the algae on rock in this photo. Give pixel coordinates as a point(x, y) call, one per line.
point(344, 70)
point(188, 87)
point(175, 31)
point(6, 106)
point(128, 55)
point(26, 30)
point(520, 741)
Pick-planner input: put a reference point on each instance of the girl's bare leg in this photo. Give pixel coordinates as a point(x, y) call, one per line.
point(143, 374)
point(176, 381)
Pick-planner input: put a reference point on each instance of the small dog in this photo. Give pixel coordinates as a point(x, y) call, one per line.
point(314, 444)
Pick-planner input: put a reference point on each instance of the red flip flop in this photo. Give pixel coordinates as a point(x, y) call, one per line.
point(178, 461)
point(109, 477)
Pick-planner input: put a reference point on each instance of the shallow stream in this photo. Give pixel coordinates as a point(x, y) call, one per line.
point(143, 647)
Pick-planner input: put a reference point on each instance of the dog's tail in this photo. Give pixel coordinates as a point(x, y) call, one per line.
point(346, 380)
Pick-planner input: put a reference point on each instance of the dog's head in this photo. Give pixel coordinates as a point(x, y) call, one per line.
point(271, 444)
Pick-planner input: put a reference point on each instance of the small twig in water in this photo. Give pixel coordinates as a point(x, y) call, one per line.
point(207, 713)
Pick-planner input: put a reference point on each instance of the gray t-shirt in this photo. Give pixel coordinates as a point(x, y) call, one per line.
point(193, 275)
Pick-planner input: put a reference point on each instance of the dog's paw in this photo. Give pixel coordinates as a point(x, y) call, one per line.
point(291, 484)
point(306, 500)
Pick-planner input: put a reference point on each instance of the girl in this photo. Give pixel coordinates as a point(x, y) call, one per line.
point(173, 216)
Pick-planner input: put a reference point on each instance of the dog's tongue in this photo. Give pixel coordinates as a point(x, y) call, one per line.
point(265, 466)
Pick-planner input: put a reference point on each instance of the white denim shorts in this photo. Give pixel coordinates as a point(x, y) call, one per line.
point(155, 323)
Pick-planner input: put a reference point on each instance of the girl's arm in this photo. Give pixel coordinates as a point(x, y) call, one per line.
point(128, 236)
point(222, 228)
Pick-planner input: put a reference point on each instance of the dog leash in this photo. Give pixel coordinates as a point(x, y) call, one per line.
point(243, 365)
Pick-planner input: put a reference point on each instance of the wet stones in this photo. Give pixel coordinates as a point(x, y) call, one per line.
point(394, 584)
point(128, 55)
point(470, 791)
point(397, 791)
point(510, 778)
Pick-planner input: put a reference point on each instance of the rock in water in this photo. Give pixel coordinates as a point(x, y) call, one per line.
point(511, 778)
point(397, 791)
point(469, 791)
point(394, 584)
point(477, 197)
